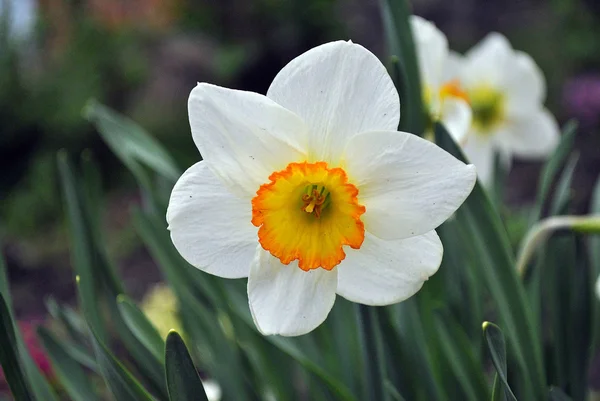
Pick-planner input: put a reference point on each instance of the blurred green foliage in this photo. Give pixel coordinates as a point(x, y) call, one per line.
point(77, 52)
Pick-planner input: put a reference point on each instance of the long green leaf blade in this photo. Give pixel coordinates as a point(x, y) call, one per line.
point(487, 237)
point(9, 358)
point(183, 381)
point(373, 355)
point(38, 385)
point(131, 143)
point(71, 375)
point(552, 166)
point(118, 379)
point(141, 327)
point(459, 353)
point(396, 14)
point(557, 394)
point(82, 250)
point(495, 343)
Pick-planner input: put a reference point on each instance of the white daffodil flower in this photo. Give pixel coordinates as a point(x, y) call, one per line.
point(311, 192)
point(444, 99)
point(212, 390)
point(506, 90)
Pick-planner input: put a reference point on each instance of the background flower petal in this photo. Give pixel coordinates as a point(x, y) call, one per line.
point(286, 300)
point(210, 227)
point(487, 61)
point(432, 51)
point(385, 272)
point(524, 85)
point(408, 185)
point(339, 89)
point(244, 136)
point(456, 118)
point(533, 136)
point(479, 150)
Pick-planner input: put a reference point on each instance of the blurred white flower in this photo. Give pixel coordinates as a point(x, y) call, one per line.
point(212, 389)
point(444, 99)
point(311, 192)
point(506, 90)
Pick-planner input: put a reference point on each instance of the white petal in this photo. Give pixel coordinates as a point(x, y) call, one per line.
point(432, 50)
point(487, 62)
point(408, 185)
point(533, 136)
point(339, 89)
point(286, 300)
point(244, 136)
point(523, 85)
point(456, 117)
point(212, 389)
point(385, 272)
point(479, 150)
point(210, 227)
point(453, 66)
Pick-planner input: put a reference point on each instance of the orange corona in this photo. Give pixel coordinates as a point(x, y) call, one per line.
point(454, 89)
point(308, 212)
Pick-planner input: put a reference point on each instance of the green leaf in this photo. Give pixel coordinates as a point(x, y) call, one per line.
point(4, 290)
point(373, 355)
point(9, 358)
point(72, 322)
point(141, 327)
point(36, 381)
point(562, 194)
point(239, 304)
point(147, 364)
point(393, 391)
point(556, 394)
point(131, 143)
point(594, 254)
point(118, 379)
point(199, 297)
point(499, 184)
point(487, 239)
point(494, 340)
point(396, 14)
point(98, 284)
point(83, 253)
point(405, 336)
point(462, 359)
point(183, 381)
point(71, 375)
point(552, 167)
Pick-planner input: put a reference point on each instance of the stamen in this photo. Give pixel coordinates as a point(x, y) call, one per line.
point(313, 203)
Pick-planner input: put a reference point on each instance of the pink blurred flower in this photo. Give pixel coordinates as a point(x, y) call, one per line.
point(581, 96)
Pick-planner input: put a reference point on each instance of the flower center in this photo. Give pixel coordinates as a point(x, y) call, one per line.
point(434, 104)
point(308, 212)
point(488, 108)
point(453, 89)
point(314, 199)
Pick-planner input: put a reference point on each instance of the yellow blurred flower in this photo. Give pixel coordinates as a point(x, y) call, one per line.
point(162, 309)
